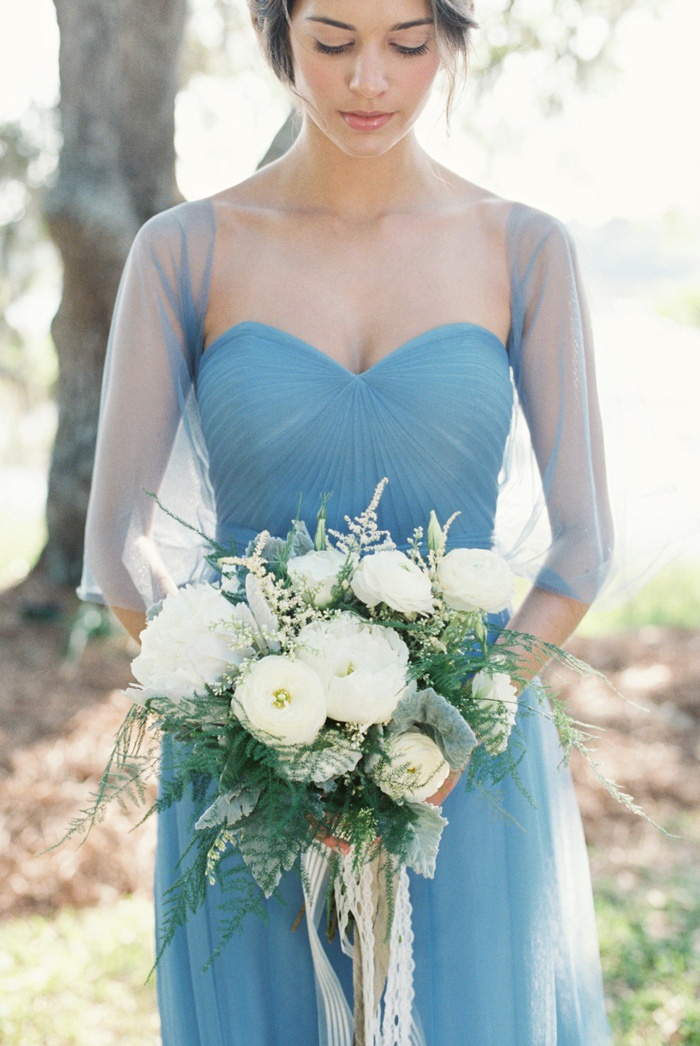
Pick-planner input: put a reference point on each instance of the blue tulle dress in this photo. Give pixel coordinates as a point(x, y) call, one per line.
point(505, 942)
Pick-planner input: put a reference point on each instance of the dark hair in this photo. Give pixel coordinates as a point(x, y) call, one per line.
point(452, 18)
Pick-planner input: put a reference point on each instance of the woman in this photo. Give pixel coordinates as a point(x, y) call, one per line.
point(354, 311)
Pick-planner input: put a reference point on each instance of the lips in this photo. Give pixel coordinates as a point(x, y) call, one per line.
point(362, 120)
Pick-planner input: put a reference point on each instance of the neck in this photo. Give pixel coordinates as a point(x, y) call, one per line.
point(319, 177)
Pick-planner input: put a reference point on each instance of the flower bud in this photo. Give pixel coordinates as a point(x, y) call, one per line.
point(436, 538)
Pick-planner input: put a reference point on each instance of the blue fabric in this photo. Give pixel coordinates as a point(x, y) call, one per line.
point(505, 943)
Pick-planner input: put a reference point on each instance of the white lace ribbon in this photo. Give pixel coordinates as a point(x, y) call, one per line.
point(357, 895)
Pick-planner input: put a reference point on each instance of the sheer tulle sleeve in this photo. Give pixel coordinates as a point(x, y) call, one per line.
point(149, 438)
point(554, 522)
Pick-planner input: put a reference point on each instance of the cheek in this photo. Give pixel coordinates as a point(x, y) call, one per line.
point(313, 78)
point(424, 76)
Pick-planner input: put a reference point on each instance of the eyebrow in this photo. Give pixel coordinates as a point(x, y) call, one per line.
point(344, 25)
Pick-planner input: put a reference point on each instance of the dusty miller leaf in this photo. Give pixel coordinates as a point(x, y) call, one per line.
point(229, 808)
point(266, 858)
point(440, 720)
point(424, 839)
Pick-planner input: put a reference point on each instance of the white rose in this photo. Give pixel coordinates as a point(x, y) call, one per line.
point(475, 579)
point(416, 768)
point(497, 696)
point(391, 577)
point(315, 574)
point(188, 646)
point(363, 667)
point(281, 699)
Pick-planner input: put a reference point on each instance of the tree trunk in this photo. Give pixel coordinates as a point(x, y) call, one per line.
point(119, 63)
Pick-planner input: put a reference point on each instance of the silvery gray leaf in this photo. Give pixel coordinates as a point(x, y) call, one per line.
point(229, 808)
point(266, 864)
point(273, 549)
point(425, 839)
point(322, 765)
point(440, 720)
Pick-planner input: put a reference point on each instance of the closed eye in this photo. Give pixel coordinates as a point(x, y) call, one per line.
point(326, 49)
point(343, 48)
point(412, 50)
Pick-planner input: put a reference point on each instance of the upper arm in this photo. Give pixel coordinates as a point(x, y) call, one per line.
point(147, 437)
point(554, 373)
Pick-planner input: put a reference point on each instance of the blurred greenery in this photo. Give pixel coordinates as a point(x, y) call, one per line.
point(670, 600)
point(682, 304)
point(21, 541)
point(650, 948)
point(78, 979)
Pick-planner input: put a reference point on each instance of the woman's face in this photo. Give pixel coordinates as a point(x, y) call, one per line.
point(363, 68)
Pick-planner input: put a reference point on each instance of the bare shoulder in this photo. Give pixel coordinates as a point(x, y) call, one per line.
point(495, 217)
point(257, 198)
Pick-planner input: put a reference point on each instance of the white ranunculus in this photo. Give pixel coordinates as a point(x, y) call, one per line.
point(316, 573)
point(475, 579)
point(281, 699)
point(363, 667)
point(391, 577)
point(498, 697)
point(189, 645)
point(416, 768)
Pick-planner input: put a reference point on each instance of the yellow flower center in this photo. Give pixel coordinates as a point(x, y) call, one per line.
point(281, 697)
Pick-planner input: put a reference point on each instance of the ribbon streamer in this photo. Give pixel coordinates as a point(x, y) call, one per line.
point(382, 963)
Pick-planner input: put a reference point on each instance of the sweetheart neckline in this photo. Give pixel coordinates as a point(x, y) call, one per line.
point(442, 329)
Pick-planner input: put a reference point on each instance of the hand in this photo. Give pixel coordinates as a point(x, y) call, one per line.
point(324, 837)
point(333, 843)
point(444, 790)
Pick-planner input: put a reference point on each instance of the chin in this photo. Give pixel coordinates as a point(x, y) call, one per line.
point(363, 144)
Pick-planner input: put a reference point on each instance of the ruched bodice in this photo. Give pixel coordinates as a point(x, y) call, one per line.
point(282, 421)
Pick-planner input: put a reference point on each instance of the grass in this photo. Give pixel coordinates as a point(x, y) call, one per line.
point(77, 979)
point(650, 948)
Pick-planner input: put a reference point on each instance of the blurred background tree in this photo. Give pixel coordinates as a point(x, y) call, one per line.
point(121, 65)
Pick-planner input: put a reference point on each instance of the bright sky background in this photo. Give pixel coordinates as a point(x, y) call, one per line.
point(630, 148)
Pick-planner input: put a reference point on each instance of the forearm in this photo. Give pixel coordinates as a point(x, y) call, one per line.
point(134, 621)
point(547, 616)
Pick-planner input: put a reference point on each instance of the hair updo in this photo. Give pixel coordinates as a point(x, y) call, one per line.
point(452, 19)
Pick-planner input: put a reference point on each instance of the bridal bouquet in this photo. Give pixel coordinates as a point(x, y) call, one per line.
point(315, 698)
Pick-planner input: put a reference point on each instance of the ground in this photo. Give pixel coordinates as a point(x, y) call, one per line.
point(60, 705)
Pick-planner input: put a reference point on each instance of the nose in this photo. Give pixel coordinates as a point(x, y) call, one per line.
point(369, 76)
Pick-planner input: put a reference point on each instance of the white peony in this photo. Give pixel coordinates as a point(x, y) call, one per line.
point(416, 768)
point(281, 699)
point(315, 574)
point(475, 579)
point(188, 646)
point(362, 666)
point(496, 695)
point(391, 577)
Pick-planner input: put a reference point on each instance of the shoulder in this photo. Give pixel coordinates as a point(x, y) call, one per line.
point(507, 226)
point(185, 229)
point(534, 236)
